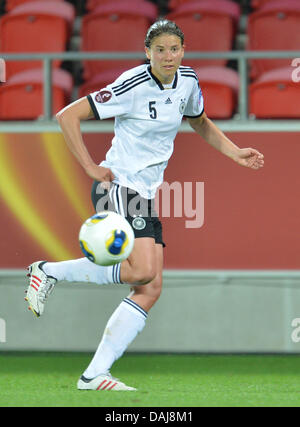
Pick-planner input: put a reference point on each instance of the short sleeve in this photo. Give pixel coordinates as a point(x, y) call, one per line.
point(107, 104)
point(195, 104)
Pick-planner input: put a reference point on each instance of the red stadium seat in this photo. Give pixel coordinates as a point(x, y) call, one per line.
point(35, 27)
point(21, 97)
point(174, 4)
point(275, 95)
point(99, 81)
point(220, 86)
point(275, 26)
point(256, 4)
point(116, 26)
point(11, 4)
point(207, 26)
point(93, 4)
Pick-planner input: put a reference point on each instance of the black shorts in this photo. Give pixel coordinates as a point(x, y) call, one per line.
point(139, 212)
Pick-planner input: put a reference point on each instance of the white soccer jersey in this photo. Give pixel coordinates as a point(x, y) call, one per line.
point(147, 118)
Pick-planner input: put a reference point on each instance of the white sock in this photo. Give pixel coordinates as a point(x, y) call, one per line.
point(83, 270)
point(123, 326)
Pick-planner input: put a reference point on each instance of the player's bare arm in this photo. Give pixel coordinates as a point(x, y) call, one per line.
point(69, 120)
point(248, 157)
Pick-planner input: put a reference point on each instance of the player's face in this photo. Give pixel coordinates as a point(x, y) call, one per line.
point(165, 55)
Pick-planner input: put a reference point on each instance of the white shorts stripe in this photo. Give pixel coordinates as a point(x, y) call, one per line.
point(115, 201)
point(121, 205)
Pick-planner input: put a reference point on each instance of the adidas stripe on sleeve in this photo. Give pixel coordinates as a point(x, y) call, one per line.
point(108, 102)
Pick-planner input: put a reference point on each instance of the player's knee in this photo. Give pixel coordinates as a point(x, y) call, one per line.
point(144, 275)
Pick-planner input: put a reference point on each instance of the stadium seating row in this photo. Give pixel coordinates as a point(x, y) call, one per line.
point(173, 4)
point(273, 95)
point(274, 25)
point(92, 4)
point(219, 84)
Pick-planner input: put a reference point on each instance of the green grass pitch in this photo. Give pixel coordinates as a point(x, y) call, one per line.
point(49, 379)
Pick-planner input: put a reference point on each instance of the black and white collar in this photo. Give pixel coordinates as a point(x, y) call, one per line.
point(158, 82)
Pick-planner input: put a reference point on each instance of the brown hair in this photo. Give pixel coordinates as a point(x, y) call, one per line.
point(163, 26)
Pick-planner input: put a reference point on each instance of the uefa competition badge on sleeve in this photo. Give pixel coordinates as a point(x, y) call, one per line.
point(103, 96)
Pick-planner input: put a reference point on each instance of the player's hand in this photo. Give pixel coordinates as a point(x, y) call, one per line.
point(250, 158)
point(101, 174)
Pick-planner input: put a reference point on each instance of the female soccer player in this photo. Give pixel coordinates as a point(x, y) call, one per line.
point(148, 103)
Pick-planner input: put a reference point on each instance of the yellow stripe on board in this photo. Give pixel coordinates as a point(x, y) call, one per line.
point(59, 157)
point(19, 204)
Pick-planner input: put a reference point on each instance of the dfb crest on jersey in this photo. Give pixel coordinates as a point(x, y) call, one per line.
point(139, 223)
point(182, 106)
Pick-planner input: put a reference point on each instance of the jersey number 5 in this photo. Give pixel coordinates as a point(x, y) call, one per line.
point(152, 110)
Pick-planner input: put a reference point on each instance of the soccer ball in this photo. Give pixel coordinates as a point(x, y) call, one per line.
point(106, 238)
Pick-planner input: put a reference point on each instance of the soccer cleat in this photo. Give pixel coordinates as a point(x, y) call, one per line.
point(103, 382)
point(40, 287)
